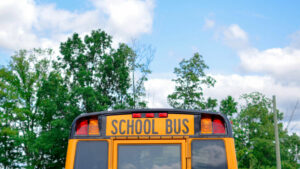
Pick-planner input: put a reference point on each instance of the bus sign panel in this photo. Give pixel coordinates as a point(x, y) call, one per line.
point(125, 125)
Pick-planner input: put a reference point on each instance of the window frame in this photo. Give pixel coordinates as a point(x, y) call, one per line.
point(149, 142)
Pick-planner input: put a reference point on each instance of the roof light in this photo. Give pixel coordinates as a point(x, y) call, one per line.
point(218, 126)
point(136, 115)
point(93, 126)
point(82, 127)
point(150, 115)
point(163, 115)
point(206, 125)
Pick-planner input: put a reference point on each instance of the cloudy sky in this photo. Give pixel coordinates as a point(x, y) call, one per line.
point(249, 46)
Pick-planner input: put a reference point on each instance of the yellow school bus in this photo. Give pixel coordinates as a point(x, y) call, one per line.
point(151, 139)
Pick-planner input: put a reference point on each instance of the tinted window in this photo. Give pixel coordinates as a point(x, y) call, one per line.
point(149, 157)
point(91, 155)
point(208, 154)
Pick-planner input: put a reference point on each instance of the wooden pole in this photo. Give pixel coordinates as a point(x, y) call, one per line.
point(278, 161)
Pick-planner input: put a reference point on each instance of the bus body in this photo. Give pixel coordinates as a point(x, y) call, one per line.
point(151, 139)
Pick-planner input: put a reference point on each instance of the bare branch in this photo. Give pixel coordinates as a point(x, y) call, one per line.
point(292, 114)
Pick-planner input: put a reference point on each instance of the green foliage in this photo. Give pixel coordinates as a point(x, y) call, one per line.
point(22, 78)
point(190, 79)
point(40, 98)
point(97, 74)
point(211, 104)
point(228, 106)
point(254, 135)
point(9, 141)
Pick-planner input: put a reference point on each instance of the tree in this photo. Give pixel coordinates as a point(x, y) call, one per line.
point(228, 106)
point(254, 135)
point(9, 133)
point(97, 74)
point(23, 78)
point(139, 62)
point(190, 79)
point(39, 98)
point(56, 117)
point(211, 104)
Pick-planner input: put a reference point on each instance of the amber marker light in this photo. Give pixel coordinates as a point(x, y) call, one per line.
point(206, 124)
point(93, 126)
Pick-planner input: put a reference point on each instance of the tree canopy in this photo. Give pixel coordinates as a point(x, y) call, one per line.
point(252, 119)
point(40, 97)
point(190, 79)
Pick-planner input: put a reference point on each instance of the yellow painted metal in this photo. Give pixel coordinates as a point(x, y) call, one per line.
point(230, 153)
point(185, 150)
point(188, 154)
point(136, 142)
point(71, 154)
point(125, 125)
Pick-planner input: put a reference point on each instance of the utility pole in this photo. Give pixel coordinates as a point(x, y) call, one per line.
point(278, 161)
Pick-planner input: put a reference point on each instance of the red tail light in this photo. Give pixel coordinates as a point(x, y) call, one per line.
point(136, 115)
point(212, 124)
point(87, 126)
point(82, 127)
point(163, 115)
point(150, 115)
point(218, 126)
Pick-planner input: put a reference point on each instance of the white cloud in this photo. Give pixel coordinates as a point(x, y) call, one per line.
point(127, 18)
point(235, 85)
point(25, 24)
point(158, 90)
point(209, 24)
point(16, 19)
point(235, 37)
point(277, 71)
point(281, 63)
point(295, 40)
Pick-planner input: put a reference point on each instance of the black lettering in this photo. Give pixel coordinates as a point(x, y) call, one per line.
point(184, 121)
point(114, 126)
point(153, 127)
point(120, 127)
point(147, 127)
point(130, 126)
point(138, 129)
point(169, 126)
point(177, 127)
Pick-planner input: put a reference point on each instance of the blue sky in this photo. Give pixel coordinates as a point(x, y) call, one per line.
point(248, 45)
point(178, 28)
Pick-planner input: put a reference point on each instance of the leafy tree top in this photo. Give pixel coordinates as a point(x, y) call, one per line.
point(190, 80)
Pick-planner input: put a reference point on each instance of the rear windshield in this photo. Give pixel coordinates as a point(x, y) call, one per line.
point(208, 154)
point(149, 156)
point(91, 155)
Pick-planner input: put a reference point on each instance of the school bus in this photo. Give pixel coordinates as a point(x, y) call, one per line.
point(151, 139)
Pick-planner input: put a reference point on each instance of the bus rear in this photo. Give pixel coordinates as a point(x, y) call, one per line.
point(151, 139)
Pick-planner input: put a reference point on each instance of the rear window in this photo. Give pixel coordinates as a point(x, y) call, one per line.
point(208, 154)
point(91, 155)
point(149, 156)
